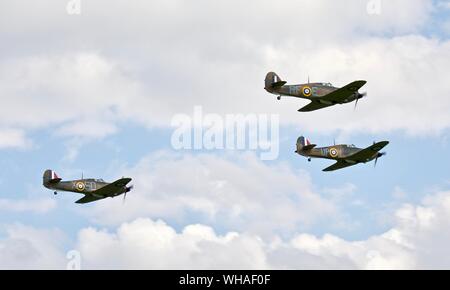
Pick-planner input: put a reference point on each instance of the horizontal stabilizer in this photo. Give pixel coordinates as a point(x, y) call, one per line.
point(278, 84)
point(308, 147)
point(54, 180)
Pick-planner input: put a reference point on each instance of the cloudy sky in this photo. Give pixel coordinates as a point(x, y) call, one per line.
point(93, 89)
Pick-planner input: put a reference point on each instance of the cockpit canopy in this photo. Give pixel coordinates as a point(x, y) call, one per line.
point(327, 84)
point(99, 180)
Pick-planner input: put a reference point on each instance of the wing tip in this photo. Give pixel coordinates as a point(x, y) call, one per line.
point(383, 143)
point(306, 109)
point(362, 82)
point(80, 201)
point(87, 199)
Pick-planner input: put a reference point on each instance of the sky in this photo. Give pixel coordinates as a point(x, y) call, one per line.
point(93, 88)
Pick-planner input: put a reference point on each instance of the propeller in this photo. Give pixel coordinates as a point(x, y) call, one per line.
point(125, 193)
point(378, 156)
point(359, 97)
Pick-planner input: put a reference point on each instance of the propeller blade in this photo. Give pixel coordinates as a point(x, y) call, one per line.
point(359, 96)
point(378, 156)
point(127, 189)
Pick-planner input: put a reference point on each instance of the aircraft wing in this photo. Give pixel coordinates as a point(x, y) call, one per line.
point(88, 198)
point(335, 97)
point(339, 95)
point(112, 188)
point(338, 165)
point(361, 156)
point(314, 105)
point(369, 152)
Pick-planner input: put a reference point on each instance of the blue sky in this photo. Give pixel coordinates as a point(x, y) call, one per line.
point(99, 100)
point(417, 165)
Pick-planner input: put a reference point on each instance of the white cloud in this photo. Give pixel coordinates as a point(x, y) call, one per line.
point(42, 205)
point(406, 84)
point(197, 246)
point(13, 138)
point(26, 247)
point(78, 92)
point(283, 19)
point(238, 191)
point(418, 240)
point(215, 55)
point(86, 94)
point(90, 72)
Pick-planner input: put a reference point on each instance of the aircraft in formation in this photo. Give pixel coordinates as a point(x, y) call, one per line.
point(321, 95)
point(345, 155)
point(324, 95)
point(93, 189)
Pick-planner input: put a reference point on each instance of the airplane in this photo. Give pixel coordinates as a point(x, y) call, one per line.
point(321, 95)
point(345, 155)
point(93, 189)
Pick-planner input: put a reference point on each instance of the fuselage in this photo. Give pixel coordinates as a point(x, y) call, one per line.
point(308, 91)
point(335, 152)
point(81, 185)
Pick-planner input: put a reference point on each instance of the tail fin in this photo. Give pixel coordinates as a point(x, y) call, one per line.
point(50, 177)
point(303, 144)
point(273, 81)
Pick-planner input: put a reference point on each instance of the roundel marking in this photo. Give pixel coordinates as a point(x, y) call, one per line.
point(79, 186)
point(333, 152)
point(306, 91)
